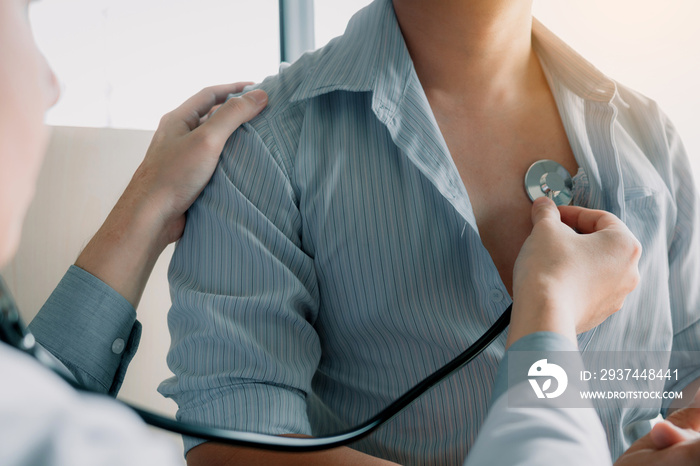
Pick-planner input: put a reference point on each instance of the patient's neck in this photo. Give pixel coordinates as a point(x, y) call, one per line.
point(476, 50)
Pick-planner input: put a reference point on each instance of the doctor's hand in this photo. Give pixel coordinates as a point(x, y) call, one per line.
point(574, 270)
point(185, 151)
point(674, 441)
point(179, 162)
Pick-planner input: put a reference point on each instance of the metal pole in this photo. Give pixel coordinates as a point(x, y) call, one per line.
point(296, 28)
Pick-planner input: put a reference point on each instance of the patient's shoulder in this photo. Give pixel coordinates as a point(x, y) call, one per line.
point(278, 126)
point(643, 120)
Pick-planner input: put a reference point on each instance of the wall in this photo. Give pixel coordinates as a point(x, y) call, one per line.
point(650, 46)
point(85, 172)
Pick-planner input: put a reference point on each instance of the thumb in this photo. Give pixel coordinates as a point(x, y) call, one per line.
point(664, 434)
point(687, 418)
point(235, 112)
point(544, 208)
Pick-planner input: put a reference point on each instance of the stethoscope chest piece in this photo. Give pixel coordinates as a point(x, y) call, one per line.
point(549, 178)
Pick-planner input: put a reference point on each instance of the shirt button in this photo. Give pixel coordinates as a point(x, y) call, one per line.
point(496, 295)
point(118, 346)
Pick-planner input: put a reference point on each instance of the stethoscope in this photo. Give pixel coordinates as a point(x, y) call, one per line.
point(543, 178)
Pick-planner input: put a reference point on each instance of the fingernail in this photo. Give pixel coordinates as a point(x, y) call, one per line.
point(258, 96)
point(540, 201)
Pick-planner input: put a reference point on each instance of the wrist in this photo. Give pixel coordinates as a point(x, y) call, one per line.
point(125, 248)
point(541, 309)
point(139, 215)
point(161, 205)
point(145, 208)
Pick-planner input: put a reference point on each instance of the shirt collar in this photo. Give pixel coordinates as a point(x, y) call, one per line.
point(372, 56)
point(588, 105)
point(570, 68)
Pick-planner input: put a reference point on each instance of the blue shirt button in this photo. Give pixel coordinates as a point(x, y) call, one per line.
point(118, 346)
point(496, 295)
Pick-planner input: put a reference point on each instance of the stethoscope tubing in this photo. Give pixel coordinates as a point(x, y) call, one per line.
point(292, 444)
point(537, 184)
point(13, 332)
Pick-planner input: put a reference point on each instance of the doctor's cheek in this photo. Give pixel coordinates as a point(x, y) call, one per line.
point(50, 93)
point(28, 88)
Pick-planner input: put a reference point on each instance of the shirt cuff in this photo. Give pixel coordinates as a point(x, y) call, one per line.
point(90, 328)
point(253, 407)
point(538, 341)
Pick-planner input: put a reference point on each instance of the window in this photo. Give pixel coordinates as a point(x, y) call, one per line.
point(331, 17)
point(124, 63)
point(651, 48)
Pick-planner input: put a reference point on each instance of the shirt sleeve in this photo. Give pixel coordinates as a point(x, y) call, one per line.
point(245, 297)
point(684, 268)
point(538, 436)
point(44, 421)
point(90, 328)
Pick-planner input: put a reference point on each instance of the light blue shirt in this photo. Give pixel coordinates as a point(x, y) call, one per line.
point(43, 420)
point(334, 260)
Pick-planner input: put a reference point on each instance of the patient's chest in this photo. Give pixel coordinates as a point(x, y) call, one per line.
point(492, 157)
point(405, 283)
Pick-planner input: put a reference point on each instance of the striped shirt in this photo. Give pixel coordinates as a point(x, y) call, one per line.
point(334, 260)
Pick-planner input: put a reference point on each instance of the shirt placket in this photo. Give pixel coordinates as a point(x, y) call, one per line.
point(414, 130)
point(600, 125)
point(596, 153)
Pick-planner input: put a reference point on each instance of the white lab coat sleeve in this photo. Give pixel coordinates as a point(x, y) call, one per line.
point(43, 421)
point(540, 436)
